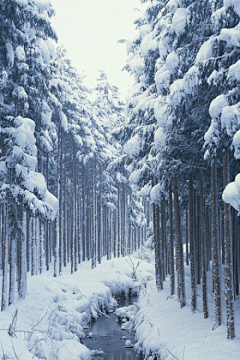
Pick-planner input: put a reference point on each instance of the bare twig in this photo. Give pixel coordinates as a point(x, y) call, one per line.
point(60, 347)
point(102, 313)
point(32, 348)
point(11, 330)
point(2, 347)
point(184, 351)
point(172, 354)
point(17, 358)
point(40, 320)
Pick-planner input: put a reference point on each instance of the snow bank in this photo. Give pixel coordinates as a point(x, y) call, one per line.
point(50, 321)
point(165, 330)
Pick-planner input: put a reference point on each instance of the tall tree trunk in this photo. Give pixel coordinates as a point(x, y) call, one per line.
point(73, 230)
point(215, 245)
point(119, 238)
point(65, 216)
point(94, 214)
point(187, 235)
point(115, 235)
point(123, 221)
point(83, 215)
point(88, 222)
point(12, 275)
point(33, 245)
point(203, 247)
point(163, 237)
point(41, 247)
point(228, 256)
point(197, 240)
point(5, 256)
point(47, 229)
point(171, 244)
point(37, 241)
point(157, 247)
point(192, 248)
point(22, 286)
point(60, 199)
point(100, 216)
point(28, 243)
point(75, 213)
point(179, 248)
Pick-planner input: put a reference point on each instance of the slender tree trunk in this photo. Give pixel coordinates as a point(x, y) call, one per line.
point(179, 248)
point(115, 235)
point(163, 236)
point(37, 241)
point(157, 246)
point(94, 217)
point(57, 225)
point(119, 222)
point(73, 230)
point(208, 236)
point(47, 230)
point(65, 216)
point(88, 222)
point(79, 222)
point(228, 256)
point(33, 246)
point(28, 242)
point(123, 221)
point(100, 216)
point(187, 234)
point(22, 287)
point(41, 247)
point(60, 199)
point(215, 246)
point(192, 248)
point(83, 215)
point(75, 212)
point(171, 244)
point(197, 240)
point(12, 278)
point(5, 257)
point(203, 247)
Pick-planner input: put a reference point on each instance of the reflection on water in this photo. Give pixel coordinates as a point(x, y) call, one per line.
point(107, 335)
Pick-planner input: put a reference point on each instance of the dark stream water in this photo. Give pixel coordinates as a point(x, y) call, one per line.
point(107, 335)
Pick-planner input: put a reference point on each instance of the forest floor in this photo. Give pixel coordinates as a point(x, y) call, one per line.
point(49, 322)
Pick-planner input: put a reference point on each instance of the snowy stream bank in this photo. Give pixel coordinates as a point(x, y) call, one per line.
point(110, 334)
point(49, 323)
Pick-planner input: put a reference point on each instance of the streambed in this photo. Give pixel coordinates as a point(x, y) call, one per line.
point(106, 335)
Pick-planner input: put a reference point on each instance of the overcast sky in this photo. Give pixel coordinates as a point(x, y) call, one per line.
point(90, 29)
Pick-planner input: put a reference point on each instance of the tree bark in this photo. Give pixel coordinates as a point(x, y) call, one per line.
point(192, 248)
point(179, 248)
point(5, 256)
point(171, 244)
point(157, 247)
point(12, 275)
point(228, 256)
point(203, 247)
point(215, 246)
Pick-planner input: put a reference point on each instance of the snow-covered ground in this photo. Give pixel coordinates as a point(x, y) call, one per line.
point(50, 322)
point(173, 333)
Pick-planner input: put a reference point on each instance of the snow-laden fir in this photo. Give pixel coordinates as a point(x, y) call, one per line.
point(86, 181)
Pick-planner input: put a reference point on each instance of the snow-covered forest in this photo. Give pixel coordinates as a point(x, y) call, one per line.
point(85, 177)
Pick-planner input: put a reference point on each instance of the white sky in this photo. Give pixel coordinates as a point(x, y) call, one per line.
point(90, 29)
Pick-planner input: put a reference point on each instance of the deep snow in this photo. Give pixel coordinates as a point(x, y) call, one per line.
point(50, 321)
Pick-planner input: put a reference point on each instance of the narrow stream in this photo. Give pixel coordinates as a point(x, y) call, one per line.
point(106, 334)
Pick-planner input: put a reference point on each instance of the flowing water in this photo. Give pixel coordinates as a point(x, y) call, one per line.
point(106, 334)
